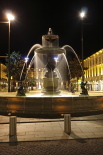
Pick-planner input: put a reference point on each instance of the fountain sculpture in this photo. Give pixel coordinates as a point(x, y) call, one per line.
point(50, 47)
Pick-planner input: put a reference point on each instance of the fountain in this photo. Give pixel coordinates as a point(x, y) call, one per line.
point(51, 50)
point(50, 101)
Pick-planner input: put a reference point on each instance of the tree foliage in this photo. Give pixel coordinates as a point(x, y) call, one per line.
point(75, 68)
point(16, 65)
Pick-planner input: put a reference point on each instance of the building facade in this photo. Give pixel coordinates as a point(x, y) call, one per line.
point(35, 77)
point(94, 72)
point(3, 78)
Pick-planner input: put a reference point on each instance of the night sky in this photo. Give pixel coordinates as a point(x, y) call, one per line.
point(33, 18)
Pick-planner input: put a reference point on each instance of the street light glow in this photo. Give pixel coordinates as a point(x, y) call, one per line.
point(55, 58)
point(82, 14)
point(10, 16)
point(26, 59)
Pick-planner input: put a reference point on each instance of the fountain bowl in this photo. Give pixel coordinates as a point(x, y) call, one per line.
point(50, 50)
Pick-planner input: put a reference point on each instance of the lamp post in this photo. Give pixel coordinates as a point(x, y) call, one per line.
point(84, 90)
point(9, 17)
point(82, 15)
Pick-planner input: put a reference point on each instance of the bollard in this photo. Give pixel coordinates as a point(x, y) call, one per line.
point(67, 123)
point(12, 125)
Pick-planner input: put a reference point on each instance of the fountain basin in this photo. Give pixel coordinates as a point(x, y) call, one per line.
point(50, 105)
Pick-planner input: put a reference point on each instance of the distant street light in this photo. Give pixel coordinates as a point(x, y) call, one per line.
point(56, 59)
point(26, 59)
point(9, 17)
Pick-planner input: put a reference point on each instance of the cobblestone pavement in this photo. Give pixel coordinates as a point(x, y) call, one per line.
point(62, 147)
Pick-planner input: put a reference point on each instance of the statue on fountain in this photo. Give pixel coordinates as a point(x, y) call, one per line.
point(21, 90)
point(84, 90)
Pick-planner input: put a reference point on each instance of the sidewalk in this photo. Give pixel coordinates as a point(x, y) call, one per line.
point(35, 129)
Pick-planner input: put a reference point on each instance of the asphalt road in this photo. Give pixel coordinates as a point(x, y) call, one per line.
point(62, 147)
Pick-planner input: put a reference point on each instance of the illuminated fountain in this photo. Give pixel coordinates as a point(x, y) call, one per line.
point(50, 57)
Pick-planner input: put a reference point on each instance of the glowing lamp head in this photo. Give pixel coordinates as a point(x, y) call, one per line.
point(82, 14)
point(10, 17)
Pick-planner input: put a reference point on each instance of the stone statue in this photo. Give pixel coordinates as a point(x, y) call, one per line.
point(21, 90)
point(84, 90)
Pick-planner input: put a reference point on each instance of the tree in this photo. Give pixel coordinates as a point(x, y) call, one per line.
point(16, 65)
point(32, 82)
point(75, 68)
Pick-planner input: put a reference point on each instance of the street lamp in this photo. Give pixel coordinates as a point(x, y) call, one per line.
point(82, 15)
point(9, 17)
point(84, 90)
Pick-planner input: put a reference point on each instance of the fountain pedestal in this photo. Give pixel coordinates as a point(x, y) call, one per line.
point(50, 86)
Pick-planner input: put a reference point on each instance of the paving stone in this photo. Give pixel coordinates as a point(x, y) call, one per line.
point(53, 130)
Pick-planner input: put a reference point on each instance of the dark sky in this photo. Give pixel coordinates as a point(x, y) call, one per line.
point(35, 17)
